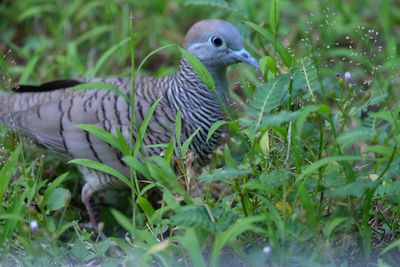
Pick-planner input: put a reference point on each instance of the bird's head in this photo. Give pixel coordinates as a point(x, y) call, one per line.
point(217, 43)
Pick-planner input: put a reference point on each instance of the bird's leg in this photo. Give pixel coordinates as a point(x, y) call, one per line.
point(95, 182)
point(87, 192)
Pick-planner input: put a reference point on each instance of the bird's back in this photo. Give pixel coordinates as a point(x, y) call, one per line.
point(50, 117)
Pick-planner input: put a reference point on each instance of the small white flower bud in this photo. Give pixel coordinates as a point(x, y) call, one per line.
point(34, 226)
point(267, 250)
point(347, 76)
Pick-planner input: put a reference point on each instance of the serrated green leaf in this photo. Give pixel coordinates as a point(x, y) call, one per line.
point(280, 118)
point(351, 136)
point(193, 216)
point(223, 174)
point(305, 78)
point(269, 96)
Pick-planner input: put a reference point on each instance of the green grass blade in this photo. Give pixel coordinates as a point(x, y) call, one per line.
point(214, 127)
point(246, 224)
point(143, 127)
point(199, 68)
point(110, 52)
point(103, 168)
point(282, 51)
point(8, 169)
point(28, 70)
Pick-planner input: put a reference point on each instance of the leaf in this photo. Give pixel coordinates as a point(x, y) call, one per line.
point(304, 113)
point(274, 16)
point(186, 144)
point(103, 168)
point(123, 221)
point(223, 174)
point(280, 118)
point(308, 170)
point(283, 53)
point(351, 136)
point(305, 78)
point(379, 149)
point(152, 53)
point(52, 187)
point(394, 244)
point(143, 127)
point(271, 64)
point(137, 165)
point(388, 116)
point(333, 224)
point(275, 178)
point(178, 127)
point(193, 216)
point(264, 143)
point(356, 189)
point(269, 96)
point(148, 209)
point(100, 133)
point(214, 127)
point(58, 198)
point(199, 69)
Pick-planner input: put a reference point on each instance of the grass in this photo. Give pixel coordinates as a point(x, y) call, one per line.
point(309, 174)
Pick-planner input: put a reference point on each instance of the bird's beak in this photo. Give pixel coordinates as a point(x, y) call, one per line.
point(244, 56)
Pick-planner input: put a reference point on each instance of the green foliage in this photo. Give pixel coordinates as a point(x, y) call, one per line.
point(199, 68)
point(308, 177)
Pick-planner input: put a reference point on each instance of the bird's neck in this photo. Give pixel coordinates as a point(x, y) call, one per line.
point(200, 106)
point(218, 73)
point(221, 83)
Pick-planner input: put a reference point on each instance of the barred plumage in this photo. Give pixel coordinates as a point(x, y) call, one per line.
point(49, 113)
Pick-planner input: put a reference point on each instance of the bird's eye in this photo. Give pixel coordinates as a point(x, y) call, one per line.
point(217, 41)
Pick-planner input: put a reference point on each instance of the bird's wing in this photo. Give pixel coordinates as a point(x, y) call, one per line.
point(51, 117)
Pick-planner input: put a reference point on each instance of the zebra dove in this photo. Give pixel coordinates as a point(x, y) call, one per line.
point(49, 112)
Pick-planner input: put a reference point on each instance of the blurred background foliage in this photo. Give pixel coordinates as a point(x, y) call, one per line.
point(354, 48)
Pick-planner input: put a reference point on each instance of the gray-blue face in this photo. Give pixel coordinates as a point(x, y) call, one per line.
point(217, 43)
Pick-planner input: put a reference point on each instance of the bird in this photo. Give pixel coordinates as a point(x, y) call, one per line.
point(49, 113)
